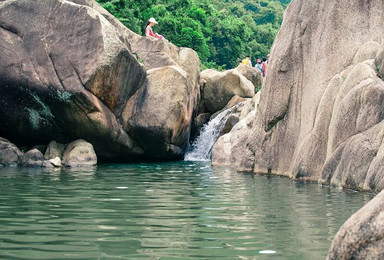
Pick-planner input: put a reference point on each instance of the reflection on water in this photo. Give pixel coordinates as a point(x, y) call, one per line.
point(166, 210)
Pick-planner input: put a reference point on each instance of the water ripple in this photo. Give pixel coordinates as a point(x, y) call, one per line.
point(166, 210)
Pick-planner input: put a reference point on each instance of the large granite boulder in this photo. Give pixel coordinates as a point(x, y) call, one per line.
point(79, 153)
point(362, 235)
point(9, 153)
point(76, 70)
point(218, 88)
point(321, 106)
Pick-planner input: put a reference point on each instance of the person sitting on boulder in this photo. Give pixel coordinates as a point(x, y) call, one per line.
point(148, 29)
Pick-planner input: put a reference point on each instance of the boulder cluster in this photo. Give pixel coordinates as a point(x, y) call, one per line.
point(70, 70)
point(75, 154)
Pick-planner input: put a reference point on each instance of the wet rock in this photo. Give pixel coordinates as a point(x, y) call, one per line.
point(9, 153)
point(35, 159)
point(228, 150)
point(79, 153)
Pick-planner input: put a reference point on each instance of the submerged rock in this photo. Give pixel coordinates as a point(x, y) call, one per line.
point(79, 73)
point(362, 235)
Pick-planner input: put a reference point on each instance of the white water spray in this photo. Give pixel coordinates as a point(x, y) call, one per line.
point(201, 149)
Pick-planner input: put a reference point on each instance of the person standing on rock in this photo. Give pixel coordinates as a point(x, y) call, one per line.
point(148, 29)
point(259, 66)
point(264, 66)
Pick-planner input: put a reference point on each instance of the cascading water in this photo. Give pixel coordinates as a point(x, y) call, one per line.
point(201, 148)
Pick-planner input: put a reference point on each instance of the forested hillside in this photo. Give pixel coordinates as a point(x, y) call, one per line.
point(221, 31)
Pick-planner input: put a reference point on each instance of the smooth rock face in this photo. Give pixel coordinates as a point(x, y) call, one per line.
point(362, 235)
point(321, 105)
point(9, 153)
point(79, 153)
point(35, 159)
point(76, 71)
point(219, 87)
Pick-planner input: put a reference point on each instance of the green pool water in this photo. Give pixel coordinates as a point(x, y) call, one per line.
point(181, 210)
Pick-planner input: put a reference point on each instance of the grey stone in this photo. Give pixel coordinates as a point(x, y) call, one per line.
point(362, 235)
point(79, 153)
point(9, 153)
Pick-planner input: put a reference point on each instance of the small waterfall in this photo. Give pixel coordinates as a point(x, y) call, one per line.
point(201, 148)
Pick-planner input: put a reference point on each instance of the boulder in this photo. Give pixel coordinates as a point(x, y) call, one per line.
point(362, 235)
point(9, 153)
point(228, 149)
point(35, 159)
point(320, 108)
point(79, 153)
point(54, 150)
point(78, 69)
point(161, 120)
point(56, 162)
point(219, 87)
point(250, 73)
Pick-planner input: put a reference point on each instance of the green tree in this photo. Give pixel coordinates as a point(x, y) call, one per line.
point(221, 31)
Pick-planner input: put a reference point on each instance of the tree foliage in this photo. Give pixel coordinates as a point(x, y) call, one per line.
point(221, 31)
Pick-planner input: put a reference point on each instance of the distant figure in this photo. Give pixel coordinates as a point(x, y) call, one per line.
point(259, 66)
point(264, 65)
point(247, 61)
point(148, 29)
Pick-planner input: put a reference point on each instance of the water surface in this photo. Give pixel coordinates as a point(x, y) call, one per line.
point(166, 211)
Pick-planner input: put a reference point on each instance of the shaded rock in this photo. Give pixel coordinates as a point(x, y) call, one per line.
point(56, 162)
point(9, 153)
point(231, 103)
point(197, 123)
point(362, 235)
point(79, 153)
point(54, 150)
point(220, 87)
point(42, 148)
point(66, 84)
point(35, 159)
point(161, 120)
